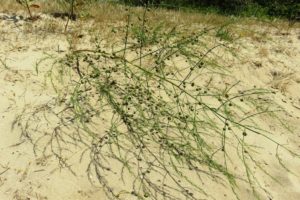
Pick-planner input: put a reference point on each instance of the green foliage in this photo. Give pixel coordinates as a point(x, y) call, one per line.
point(278, 8)
point(224, 34)
point(147, 35)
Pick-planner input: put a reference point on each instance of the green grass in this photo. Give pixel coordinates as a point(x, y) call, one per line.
point(288, 9)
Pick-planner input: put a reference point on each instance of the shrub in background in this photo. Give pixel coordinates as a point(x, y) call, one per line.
point(279, 8)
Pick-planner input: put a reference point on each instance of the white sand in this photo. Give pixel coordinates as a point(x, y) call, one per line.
point(273, 63)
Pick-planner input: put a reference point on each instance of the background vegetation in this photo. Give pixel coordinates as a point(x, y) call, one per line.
point(279, 8)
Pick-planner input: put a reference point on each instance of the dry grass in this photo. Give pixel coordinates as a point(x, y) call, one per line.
point(263, 52)
point(103, 13)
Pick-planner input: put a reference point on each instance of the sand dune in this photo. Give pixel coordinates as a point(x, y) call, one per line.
point(272, 62)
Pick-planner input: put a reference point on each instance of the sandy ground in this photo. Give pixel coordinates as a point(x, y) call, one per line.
point(271, 62)
point(23, 175)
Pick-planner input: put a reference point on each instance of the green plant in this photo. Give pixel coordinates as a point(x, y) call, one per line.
point(146, 34)
point(224, 34)
point(258, 8)
point(151, 114)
